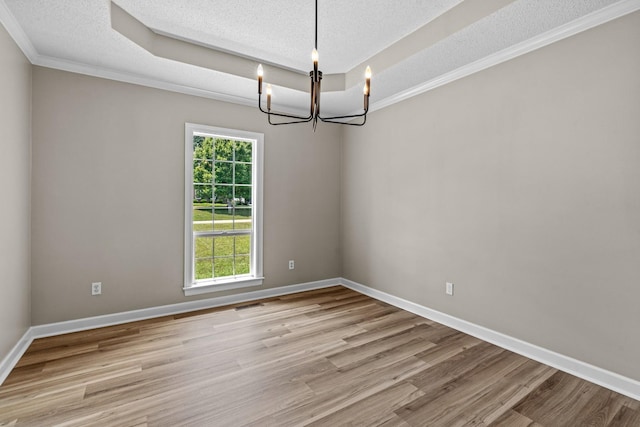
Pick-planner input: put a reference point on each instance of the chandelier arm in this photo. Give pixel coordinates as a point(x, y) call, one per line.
point(300, 119)
point(364, 120)
point(288, 116)
point(350, 116)
point(290, 122)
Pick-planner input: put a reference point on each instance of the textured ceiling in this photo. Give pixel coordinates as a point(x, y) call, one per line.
point(282, 31)
point(412, 45)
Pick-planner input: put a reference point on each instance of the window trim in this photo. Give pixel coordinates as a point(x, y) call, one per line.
point(190, 286)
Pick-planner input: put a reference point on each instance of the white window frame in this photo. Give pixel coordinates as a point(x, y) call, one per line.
point(255, 278)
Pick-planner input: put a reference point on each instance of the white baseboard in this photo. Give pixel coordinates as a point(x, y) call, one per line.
point(59, 328)
point(611, 380)
point(594, 374)
point(14, 355)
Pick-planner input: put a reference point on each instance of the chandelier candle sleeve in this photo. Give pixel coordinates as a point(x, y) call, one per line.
point(260, 73)
point(268, 97)
point(366, 97)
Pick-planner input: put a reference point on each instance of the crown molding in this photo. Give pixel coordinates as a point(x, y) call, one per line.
point(17, 33)
point(136, 79)
point(569, 29)
point(126, 77)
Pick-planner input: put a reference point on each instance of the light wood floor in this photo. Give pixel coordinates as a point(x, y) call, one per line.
point(330, 357)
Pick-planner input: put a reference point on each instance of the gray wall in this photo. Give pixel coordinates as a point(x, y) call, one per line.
point(108, 185)
point(520, 184)
point(15, 193)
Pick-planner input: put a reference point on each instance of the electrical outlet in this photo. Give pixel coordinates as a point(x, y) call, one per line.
point(449, 288)
point(96, 288)
point(292, 264)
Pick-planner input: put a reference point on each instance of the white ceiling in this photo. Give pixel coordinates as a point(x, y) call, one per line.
point(412, 45)
point(282, 31)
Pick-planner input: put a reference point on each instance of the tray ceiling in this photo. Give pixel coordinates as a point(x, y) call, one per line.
point(211, 47)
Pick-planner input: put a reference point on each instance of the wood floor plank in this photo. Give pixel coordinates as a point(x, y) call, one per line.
point(447, 348)
point(380, 345)
point(28, 409)
point(367, 334)
point(626, 417)
point(362, 369)
point(392, 420)
point(21, 374)
point(354, 315)
point(325, 357)
point(368, 411)
point(334, 398)
point(575, 401)
point(497, 398)
point(76, 338)
point(512, 418)
point(392, 317)
point(69, 380)
point(56, 353)
point(452, 402)
point(456, 366)
point(601, 408)
point(225, 406)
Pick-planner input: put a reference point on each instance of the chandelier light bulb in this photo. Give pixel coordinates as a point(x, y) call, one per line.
point(260, 72)
point(268, 90)
point(314, 56)
point(367, 73)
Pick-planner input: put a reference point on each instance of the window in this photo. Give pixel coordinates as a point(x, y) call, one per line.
point(223, 209)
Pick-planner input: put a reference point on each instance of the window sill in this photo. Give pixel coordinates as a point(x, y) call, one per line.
point(222, 285)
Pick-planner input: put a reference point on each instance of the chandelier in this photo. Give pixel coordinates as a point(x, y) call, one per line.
point(314, 113)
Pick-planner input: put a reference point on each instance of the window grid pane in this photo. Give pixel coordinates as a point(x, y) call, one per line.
point(222, 182)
